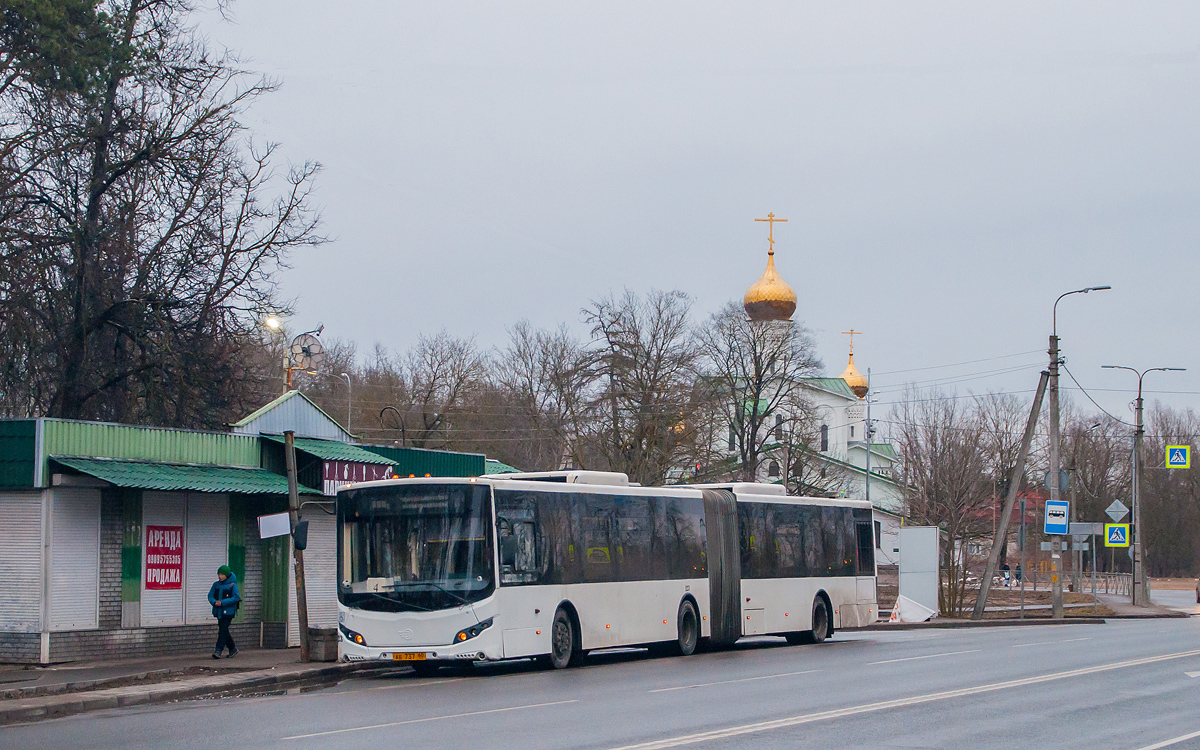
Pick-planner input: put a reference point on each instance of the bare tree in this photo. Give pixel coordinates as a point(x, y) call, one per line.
point(939, 438)
point(753, 371)
point(140, 229)
point(643, 361)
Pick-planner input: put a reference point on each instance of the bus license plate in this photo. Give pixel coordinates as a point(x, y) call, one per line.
point(408, 657)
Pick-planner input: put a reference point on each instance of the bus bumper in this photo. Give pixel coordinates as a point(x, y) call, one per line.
point(487, 646)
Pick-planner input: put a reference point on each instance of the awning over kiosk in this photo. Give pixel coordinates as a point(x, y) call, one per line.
point(150, 475)
point(332, 450)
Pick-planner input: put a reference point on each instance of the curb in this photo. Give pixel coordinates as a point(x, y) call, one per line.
point(78, 703)
point(950, 624)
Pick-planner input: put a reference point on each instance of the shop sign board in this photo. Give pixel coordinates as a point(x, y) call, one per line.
point(164, 557)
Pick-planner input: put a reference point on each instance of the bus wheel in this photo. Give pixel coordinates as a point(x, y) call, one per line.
point(689, 628)
point(564, 651)
point(820, 626)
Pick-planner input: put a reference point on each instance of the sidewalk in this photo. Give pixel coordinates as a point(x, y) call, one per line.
point(1122, 608)
point(33, 694)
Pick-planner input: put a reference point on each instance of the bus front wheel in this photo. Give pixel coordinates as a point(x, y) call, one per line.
point(564, 648)
point(689, 628)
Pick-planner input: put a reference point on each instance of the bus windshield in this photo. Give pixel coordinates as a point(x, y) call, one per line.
point(409, 548)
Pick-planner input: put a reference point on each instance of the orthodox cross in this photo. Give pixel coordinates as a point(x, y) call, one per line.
point(852, 333)
point(771, 234)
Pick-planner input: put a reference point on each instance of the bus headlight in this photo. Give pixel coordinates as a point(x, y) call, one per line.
point(351, 635)
point(468, 633)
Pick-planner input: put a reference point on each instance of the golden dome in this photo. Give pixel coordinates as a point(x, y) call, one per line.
point(855, 379)
point(770, 298)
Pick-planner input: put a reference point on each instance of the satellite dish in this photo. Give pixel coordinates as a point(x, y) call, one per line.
point(307, 352)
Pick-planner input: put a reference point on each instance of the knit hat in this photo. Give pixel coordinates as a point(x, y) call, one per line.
point(224, 571)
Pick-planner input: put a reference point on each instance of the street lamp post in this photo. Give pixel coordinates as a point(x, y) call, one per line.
point(1055, 458)
point(349, 400)
point(1140, 594)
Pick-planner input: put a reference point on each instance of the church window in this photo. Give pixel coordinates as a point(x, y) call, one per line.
point(773, 469)
point(824, 437)
point(779, 428)
point(731, 437)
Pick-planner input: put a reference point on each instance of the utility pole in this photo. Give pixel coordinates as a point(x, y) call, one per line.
point(1076, 553)
point(289, 452)
point(869, 428)
point(1056, 597)
point(1014, 488)
point(1140, 595)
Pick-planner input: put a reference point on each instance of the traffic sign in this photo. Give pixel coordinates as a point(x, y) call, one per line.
point(1179, 456)
point(1084, 530)
point(1056, 517)
point(1117, 510)
point(1116, 535)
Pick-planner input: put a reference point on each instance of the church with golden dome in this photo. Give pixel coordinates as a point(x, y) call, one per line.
point(843, 449)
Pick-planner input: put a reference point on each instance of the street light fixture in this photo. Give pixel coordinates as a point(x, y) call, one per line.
point(1140, 590)
point(273, 323)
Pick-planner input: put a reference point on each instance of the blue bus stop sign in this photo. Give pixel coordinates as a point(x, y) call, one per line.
point(1057, 512)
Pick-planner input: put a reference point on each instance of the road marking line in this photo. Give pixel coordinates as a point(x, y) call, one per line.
point(718, 734)
point(1165, 743)
point(727, 682)
point(416, 683)
point(926, 656)
point(1192, 674)
point(1050, 643)
point(430, 718)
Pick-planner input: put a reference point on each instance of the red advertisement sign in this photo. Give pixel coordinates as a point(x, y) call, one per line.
point(164, 557)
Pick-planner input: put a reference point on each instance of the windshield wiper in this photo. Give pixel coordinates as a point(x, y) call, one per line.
point(393, 601)
point(438, 586)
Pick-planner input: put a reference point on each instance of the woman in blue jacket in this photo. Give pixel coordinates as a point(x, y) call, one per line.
point(224, 598)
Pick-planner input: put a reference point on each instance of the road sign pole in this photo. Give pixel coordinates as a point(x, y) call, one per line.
point(1024, 572)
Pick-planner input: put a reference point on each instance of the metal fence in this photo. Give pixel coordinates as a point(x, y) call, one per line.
point(1106, 583)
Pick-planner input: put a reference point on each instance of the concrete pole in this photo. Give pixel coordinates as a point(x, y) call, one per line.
point(1056, 596)
point(1140, 594)
point(1014, 487)
point(1024, 573)
point(289, 452)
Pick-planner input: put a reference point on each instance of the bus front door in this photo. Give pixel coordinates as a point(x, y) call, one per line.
point(724, 566)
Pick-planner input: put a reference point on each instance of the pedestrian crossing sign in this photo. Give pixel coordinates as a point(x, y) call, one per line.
point(1179, 456)
point(1116, 535)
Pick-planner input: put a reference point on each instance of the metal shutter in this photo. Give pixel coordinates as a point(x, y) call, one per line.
point(21, 562)
point(75, 559)
point(320, 570)
point(162, 509)
point(205, 548)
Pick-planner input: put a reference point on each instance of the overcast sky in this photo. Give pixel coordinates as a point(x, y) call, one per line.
point(947, 169)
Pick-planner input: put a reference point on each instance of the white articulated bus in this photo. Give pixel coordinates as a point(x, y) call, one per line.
point(552, 565)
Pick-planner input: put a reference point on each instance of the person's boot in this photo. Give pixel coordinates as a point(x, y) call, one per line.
point(231, 654)
point(216, 654)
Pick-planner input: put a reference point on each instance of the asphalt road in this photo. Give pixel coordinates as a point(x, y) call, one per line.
point(1127, 684)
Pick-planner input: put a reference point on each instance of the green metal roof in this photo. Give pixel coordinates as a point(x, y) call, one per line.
point(18, 452)
point(148, 475)
point(499, 467)
point(333, 450)
point(422, 461)
point(833, 385)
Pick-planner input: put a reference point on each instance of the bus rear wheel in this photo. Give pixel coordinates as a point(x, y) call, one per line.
point(564, 648)
point(820, 625)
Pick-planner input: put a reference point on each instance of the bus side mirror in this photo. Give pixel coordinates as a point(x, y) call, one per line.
point(508, 550)
point(300, 535)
